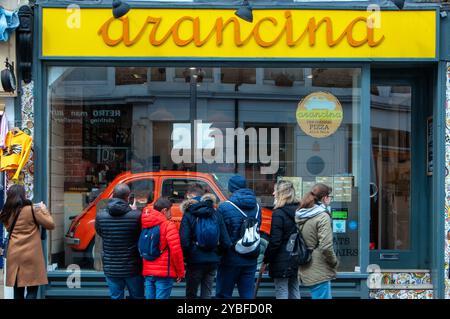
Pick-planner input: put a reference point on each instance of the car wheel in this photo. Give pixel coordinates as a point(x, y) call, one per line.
point(263, 245)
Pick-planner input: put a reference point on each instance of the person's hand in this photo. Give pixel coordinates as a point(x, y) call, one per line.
point(264, 267)
point(133, 206)
point(41, 205)
point(179, 279)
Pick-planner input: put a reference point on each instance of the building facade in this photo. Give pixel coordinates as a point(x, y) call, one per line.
point(351, 94)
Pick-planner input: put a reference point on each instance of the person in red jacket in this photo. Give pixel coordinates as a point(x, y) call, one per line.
point(161, 273)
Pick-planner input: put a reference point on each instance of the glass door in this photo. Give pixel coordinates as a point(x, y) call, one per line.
point(396, 153)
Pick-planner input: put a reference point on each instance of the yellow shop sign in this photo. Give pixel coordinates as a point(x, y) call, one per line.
point(147, 33)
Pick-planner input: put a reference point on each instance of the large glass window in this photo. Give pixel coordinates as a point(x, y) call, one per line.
point(176, 125)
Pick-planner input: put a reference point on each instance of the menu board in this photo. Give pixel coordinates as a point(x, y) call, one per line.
point(342, 188)
point(307, 186)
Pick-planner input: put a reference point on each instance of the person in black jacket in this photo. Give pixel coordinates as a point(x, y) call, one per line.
point(119, 227)
point(283, 225)
point(201, 264)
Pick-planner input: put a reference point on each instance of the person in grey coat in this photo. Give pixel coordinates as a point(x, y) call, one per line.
point(314, 221)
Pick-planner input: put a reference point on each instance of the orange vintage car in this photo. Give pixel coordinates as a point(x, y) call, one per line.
point(146, 188)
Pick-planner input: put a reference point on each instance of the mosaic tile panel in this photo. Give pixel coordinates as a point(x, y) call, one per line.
point(26, 177)
point(401, 294)
point(420, 278)
point(27, 103)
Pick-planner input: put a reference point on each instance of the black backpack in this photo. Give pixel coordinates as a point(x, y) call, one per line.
point(299, 253)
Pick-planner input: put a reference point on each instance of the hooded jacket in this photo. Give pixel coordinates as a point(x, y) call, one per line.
point(315, 225)
point(193, 209)
point(170, 263)
point(119, 227)
point(282, 226)
point(245, 199)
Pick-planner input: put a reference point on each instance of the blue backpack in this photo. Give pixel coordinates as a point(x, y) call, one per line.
point(149, 242)
point(207, 233)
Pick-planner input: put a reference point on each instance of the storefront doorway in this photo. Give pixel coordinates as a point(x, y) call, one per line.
point(399, 185)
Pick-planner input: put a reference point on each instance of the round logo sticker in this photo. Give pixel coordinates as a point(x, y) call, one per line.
point(319, 114)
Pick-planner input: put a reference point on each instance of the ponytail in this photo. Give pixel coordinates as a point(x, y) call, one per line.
point(314, 196)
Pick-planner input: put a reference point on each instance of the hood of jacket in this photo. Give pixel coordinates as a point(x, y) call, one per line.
point(303, 214)
point(290, 210)
point(152, 217)
point(199, 206)
point(118, 207)
point(244, 198)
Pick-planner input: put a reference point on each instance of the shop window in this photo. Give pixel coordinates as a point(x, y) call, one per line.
point(332, 78)
point(283, 76)
point(176, 189)
point(203, 74)
point(238, 76)
point(94, 74)
point(132, 75)
point(102, 135)
point(157, 74)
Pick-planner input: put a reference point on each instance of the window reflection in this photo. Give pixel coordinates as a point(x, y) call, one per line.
point(103, 133)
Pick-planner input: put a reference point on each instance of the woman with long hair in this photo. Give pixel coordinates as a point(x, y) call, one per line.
point(283, 272)
point(314, 221)
point(25, 264)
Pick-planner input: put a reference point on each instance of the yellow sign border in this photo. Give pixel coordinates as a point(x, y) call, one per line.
point(218, 33)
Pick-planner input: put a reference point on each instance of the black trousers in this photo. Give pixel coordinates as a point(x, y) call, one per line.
point(32, 291)
point(200, 275)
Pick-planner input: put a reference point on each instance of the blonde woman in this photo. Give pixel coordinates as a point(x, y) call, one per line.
point(283, 225)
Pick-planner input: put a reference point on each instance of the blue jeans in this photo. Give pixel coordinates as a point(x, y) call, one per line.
point(321, 291)
point(229, 276)
point(134, 284)
point(158, 287)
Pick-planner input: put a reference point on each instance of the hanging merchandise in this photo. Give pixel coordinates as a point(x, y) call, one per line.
point(9, 21)
point(3, 130)
point(15, 154)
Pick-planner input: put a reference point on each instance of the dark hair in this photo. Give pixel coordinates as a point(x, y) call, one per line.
point(15, 200)
point(196, 189)
point(162, 203)
point(121, 191)
point(318, 192)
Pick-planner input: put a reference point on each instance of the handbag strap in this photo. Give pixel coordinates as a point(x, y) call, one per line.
point(34, 217)
point(11, 228)
point(37, 224)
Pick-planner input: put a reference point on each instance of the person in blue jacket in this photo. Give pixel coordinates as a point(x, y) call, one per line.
point(236, 269)
point(201, 263)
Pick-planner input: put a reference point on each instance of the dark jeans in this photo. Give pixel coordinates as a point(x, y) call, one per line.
point(200, 275)
point(134, 284)
point(32, 291)
point(229, 276)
